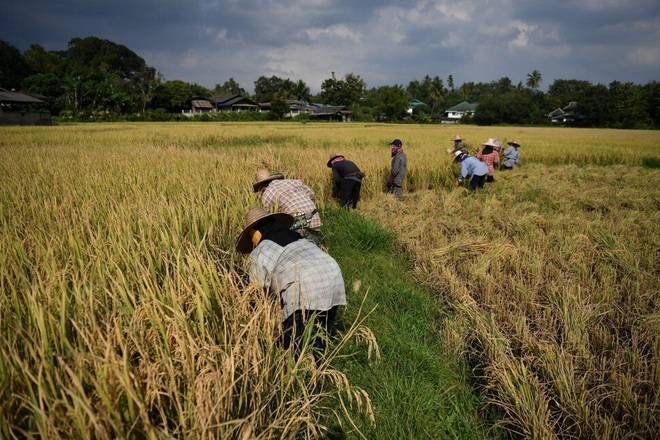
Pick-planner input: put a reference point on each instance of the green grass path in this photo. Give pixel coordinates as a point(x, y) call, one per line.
point(416, 391)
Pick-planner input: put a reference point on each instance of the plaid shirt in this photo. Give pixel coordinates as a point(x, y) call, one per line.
point(490, 159)
point(292, 197)
point(301, 274)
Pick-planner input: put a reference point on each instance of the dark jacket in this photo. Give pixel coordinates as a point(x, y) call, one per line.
point(345, 169)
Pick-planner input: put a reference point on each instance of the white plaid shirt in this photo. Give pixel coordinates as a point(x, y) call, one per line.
point(302, 275)
point(292, 197)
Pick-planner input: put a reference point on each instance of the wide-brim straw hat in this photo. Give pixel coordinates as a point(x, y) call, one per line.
point(253, 218)
point(491, 143)
point(458, 138)
point(264, 176)
point(457, 154)
point(513, 143)
point(333, 157)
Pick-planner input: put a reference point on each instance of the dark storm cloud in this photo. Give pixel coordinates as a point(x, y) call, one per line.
point(385, 42)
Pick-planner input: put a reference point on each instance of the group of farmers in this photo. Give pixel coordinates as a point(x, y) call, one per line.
point(282, 236)
point(480, 168)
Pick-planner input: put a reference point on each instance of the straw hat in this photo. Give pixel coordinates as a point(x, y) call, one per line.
point(458, 154)
point(264, 176)
point(513, 143)
point(333, 157)
point(491, 143)
point(252, 218)
point(458, 138)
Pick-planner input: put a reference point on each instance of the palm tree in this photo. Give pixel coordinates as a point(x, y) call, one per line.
point(438, 92)
point(302, 92)
point(534, 79)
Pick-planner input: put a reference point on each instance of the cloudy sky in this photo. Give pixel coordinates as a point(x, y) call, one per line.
point(386, 42)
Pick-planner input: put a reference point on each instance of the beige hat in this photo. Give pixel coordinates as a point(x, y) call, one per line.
point(457, 154)
point(513, 143)
point(333, 157)
point(252, 217)
point(491, 143)
point(264, 176)
point(458, 138)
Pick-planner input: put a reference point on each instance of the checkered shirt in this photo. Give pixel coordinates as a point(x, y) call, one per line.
point(292, 197)
point(490, 159)
point(302, 275)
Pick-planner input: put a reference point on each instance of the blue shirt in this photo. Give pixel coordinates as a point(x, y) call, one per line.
point(471, 166)
point(511, 155)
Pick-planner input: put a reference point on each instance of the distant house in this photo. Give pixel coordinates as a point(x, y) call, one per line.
point(18, 108)
point(299, 107)
point(454, 114)
point(233, 103)
point(568, 114)
point(339, 113)
point(412, 104)
point(296, 107)
point(199, 106)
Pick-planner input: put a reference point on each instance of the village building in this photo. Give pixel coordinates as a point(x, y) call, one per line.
point(454, 114)
point(567, 114)
point(339, 113)
point(18, 108)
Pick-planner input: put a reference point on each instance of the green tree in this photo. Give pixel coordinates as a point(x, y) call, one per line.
point(229, 87)
point(41, 61)
point(348, 91)
point(437, 93)
point(301, 91)
point(563, 91)
point(145, 82)
point(173, 96)
point(266, 89)
point(629, 108)
point(390, 103)
point(651, 96)
point(596, 106)
point(534, 79)
point(123, 80)
point(279, 108)
point(13, 68)
point(48, 85)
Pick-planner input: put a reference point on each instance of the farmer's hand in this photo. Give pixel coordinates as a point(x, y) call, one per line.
point(457, 183)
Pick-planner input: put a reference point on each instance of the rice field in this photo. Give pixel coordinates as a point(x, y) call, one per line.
point(124, 311)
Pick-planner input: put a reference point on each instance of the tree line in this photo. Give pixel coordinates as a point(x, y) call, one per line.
point(99, 79)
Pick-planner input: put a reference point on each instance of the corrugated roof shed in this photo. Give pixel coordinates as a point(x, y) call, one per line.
point(17, 98)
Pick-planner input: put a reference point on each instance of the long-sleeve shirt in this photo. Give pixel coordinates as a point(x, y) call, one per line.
point(292, 197)
point(491, 159)
point(301, 274)
point(471, 166)
point(399, 165)
point(344, 169)
point(511, 155)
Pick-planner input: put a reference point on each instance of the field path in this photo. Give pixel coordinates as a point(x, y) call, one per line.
point(417, 392)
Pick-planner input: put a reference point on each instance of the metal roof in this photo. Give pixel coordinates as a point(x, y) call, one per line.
point(201, 103)
point(463, 107)
point(18, 98)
